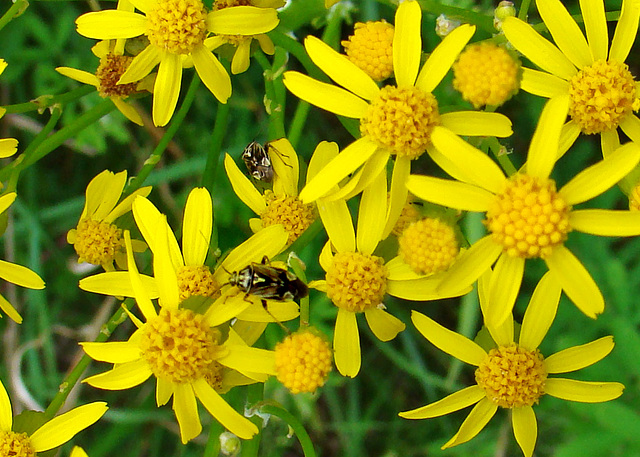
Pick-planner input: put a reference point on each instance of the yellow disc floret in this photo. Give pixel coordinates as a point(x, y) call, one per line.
point(303, 361)
point(486, 74)
point(97, 242)
point(528, 218)
point(371, 48)
point(356, 282)
point(401, 119)
point(601, 96)
point(179, 346)
point(14, 444)
point(294, 215)
point(196, 280)
point(177, 26)
point(428, 246)
point(512, 376)
point(112, 66)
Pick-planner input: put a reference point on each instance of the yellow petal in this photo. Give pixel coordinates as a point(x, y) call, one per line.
point(503, 289)
point(325, 96)
point(525, 426)
point(600, 177)
point(96, 192)
point(479, 416)
point(241, 58)
point(449, 193)
point(471, 264)
point(477, 123)
point(397, 194)
point(164, 270)
point(543, 149)
point(248, 359)
point(595, 23)
point(423, 289)
point(626, 31)
point(186, 409)
point(128, 111)
point(346, 344)
point(20, 276)
point(324, 153)
point(10, 311)
point(570, 133)
point(110, 194)
point(454, 402)
point(443, 56)
point(125, 205)
point(604, 222)
point(582, 391)
point(631, 125)
point(576, 281)
point(565, 32)
point(542, 84)
point(118, 284)
point(242, 20)
point(372, 168)
point(609, 142)
point(62, 428)
point(220, 409)
point(336, 219)
point(407, 43)
point(537, 49)
point(448, 341)
point(8, 146)
point(121, 377)
point(383, 325)
point(372, 215)
point(278, 311)
point(197, 226)
point(143, 5)
point(286, 168)
point(139, 291)
point(113, 351)
point(141, 65)
point(6, 414)
point(166, 89)
point(243, 187)
point(339, 68)
point(228, 306)
point(501, 334)
point(211, 72)
point(108, 24)
point(479, 169)
point(578, 357)
point(540, 313)
point(79, 75)
point(164, 391)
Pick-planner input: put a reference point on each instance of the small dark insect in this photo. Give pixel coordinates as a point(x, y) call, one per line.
point(256, 158)
point(268, 283)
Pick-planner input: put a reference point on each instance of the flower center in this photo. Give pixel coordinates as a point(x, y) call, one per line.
point(371, 48)
point(303, 361)
point(177, 26)
point(356, 282)
point(16, 444)
point(512, 376)
point(601, 96)
point(401, 119)
point(528, 218)
point(486, 74)
point(111, 67)
point(179, 346)
point(295, 216)
point(428, 246)
point(196, 280)
point(98, 242)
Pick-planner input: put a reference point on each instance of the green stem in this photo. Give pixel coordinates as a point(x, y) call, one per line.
point(176, 122)
point(72, 378)
point(213, 156)
point(295, 424)
point(483, 21)
point(296, 264)
point(16, 9)
point(255, 395)
point(524, 10)
point(297, 124)
point(45, 101)
point(499, 152)
point(273, 104)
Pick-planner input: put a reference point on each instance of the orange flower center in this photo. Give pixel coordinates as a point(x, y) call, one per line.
point(196, 280)
point(14, 444)
point(111, 67)
point(294, 215)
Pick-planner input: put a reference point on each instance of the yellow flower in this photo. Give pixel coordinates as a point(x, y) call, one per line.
point(176, 30)
point(514, 375)
point(280, 206)
point(52, 434)
point(15, 274)
point(303, 361)
point(8, 146)
point(97, 239)
point(603, 94)
point(394, 120)
point(525, 214)
point(184, 352)
point(371, 48)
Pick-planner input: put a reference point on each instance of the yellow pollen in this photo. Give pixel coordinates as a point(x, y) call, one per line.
point(601, 96)
point(356, 282)
point(634, 198)
point(401, 119)
point(98, 242)
point(112, 66)
point(295, 216)
point(196, 280)
point(303, 361)
point(486, 74)
point(371, 48)
point(408, 215)
point(512, 376)
point(528, 218)
point(179, 346)
point(428, 246)
point(177, 26)
point(14, 444)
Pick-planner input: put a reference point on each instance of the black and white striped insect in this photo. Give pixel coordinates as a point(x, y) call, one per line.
point(258, 161)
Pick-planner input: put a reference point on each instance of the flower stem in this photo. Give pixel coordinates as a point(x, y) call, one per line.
point(46, 101)
point(295, 424)
point(213, 156)
point(482, 21)
point(16, 9)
